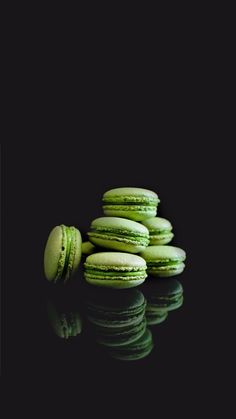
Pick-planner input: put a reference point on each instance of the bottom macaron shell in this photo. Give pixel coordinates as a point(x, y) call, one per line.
point(116, 283)
point(135, 213)
point(160, 239)
point(166, 271)
point(119, 246)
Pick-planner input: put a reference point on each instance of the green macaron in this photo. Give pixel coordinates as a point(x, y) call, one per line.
point(159, 230)
point(164, 260)
point(136, 350)
point(119, 234)
point(62, 253)
point(88, 248)
point(133, 203)
point(115, 270)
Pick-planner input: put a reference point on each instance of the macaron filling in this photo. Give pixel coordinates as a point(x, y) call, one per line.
point(120, 235)
point(130, 207)
point(114, 275)
point(159, 232)
point(163, 263)
point(68, 249)
point(131, 200)
point(66, 259)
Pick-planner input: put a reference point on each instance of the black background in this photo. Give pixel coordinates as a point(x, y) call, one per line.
point(48, 184)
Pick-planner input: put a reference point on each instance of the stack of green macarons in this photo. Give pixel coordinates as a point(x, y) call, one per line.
point(122, 247)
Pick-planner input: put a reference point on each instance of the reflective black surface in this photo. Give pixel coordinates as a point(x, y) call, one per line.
point(122, 325)
point(45, 188)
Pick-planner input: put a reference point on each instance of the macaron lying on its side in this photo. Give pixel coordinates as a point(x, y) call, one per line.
point(119, 234)
point(159, 230)
point(133, 203)
point(62, 253)
point(164, 260)
point(115, 270)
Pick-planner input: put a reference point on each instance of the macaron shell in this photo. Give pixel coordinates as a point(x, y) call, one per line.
point(55, 253)
point(161, 239)
point(124, 245)
point(121, 261)
point(88, 248)
point(166, 271)
point(117, 223)
point(130, 193)
point(135, 212)
point(157, 224)
point(118, 284)
point(163, 253)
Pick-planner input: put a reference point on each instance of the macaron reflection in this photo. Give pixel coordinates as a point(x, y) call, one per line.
point(162, 297)
point(118, 323)
point(65, 325)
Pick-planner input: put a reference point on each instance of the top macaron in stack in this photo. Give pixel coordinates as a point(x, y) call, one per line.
point(133, 203)
point(129, 227)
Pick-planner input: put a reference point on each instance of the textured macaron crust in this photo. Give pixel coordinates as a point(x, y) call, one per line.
point(119, 234)
point(164, 260)
point(115, 270)
point(62, 253)
point(136, 350)
point(134, 203)
point(159, 230)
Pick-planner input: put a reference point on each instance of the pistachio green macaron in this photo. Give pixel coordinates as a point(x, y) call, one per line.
point(115, 270)
point(159, 230)
point(119, 234)
point(164, 260)
point(132, 203)
point(62, 253)
point(88, 248)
